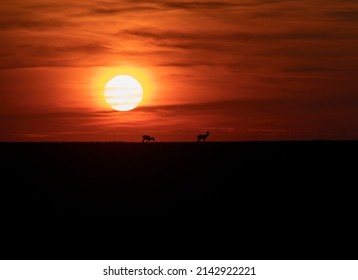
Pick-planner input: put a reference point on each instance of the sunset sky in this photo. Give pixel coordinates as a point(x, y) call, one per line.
point(244, 69)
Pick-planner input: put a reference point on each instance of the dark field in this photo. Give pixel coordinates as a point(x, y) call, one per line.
point(239, 200)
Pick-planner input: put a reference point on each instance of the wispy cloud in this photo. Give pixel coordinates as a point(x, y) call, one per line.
point(243, 119)
point(345, 15)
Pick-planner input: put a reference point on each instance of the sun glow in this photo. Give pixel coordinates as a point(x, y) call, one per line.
point(102, 75)
point(123, 93)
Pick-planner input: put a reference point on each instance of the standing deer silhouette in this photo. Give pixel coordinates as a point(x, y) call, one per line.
point(147, 138)
point(202, 137)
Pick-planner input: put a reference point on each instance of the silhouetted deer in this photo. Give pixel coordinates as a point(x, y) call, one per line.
point(203, 136)
point(147, 138)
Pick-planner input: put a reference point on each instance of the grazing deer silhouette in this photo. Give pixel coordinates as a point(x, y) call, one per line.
point(147, 138)
point(202, 136)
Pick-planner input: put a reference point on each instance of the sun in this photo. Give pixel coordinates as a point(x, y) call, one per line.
point(123, 93)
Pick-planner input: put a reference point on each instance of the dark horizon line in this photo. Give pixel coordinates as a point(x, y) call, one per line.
point(168, 142)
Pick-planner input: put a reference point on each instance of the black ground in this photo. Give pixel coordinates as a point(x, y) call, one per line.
point(239, 200)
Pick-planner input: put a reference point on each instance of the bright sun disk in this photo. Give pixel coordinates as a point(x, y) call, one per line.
point(123, 93)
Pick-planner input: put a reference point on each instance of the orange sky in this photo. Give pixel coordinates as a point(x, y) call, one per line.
point(244, 70)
